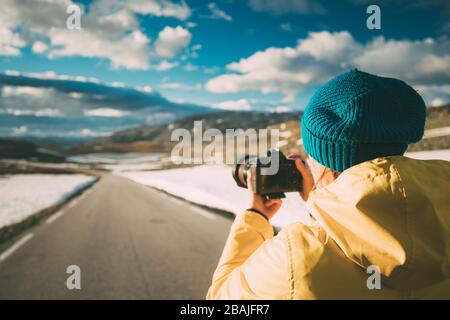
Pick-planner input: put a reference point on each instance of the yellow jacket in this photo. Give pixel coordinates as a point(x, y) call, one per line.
point(392, 213)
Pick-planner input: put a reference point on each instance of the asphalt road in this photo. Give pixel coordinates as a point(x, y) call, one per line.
point(130, 242)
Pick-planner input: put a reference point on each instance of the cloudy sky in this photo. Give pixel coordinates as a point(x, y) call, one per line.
point(137, 61)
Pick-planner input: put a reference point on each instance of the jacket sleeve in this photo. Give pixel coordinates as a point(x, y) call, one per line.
point(254, 263)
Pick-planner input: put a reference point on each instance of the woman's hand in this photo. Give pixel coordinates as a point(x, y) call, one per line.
point(307, 178)
point(266, 207)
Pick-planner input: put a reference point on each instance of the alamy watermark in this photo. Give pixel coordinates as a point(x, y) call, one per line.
point(374, 280)
point(73, 282)
point(212, 146)
point(73, 21)
point(374, 20)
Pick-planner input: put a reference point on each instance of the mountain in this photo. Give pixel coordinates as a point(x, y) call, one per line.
point(17, 149)
point(157, 138)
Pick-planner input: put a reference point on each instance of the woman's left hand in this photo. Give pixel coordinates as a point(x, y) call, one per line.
point(307, 178)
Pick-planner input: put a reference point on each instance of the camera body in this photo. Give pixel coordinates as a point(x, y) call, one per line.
point(264, 181)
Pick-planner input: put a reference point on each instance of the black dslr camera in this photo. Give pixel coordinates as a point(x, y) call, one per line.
point(272, 175)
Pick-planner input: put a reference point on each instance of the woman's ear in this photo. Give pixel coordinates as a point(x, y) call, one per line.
point(328, 177)
point(322, 175)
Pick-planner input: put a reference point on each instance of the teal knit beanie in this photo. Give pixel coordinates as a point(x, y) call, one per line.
point(358, 116)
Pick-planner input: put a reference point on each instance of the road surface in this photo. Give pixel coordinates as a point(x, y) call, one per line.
point(130, 242)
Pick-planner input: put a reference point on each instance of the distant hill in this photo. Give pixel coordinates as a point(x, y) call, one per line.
point(156, 138)
point(17, 149)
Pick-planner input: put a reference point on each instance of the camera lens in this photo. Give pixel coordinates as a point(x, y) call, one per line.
point(240, 171)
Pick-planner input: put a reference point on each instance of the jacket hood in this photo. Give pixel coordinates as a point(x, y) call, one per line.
point(394, 213)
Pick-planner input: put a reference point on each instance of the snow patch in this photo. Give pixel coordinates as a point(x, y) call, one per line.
point(23, 195)
point(430, 155)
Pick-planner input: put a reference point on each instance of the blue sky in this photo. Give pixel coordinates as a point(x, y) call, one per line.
point(230, 54)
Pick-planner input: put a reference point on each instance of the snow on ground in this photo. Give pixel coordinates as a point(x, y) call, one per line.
point(427, 155)
point(437, 132)
point(117, 158)
point(131, 161)
point(213, 186)
point(22, 195)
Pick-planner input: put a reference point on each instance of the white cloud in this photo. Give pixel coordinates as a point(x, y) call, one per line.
point(331, 47)
point(324, 54)
point(190, 67)
point(196, 47)
point(211, 70)
point(160, 8)
point(104, 34)
point(12, 73)
point(49, 95)
point(76, 95)
point(241, 104)
point(171, 41)
point(286, 27)
point(180, 86)
point(435, 93)
point(437, 102)
point(130, 51)
point(419, 61)
point(39, 47)
point(146, 89)
point(44, 75)
point(118, 84)
point(280, 109)
point(191, 24)
point(164, 65)
point(48, 112)
point(88, 133)
point(10, 42)
point(217, 13)
point(10, 91)
point(105, 112)
point(51, 75)
point(109, 30)
point(287, 6)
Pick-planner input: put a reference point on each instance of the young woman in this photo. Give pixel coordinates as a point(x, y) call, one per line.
point(382, 220)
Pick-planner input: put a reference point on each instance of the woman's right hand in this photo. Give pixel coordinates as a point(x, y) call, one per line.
point(307, 178)
point(267, 207)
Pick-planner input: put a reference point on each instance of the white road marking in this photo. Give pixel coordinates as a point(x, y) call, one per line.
point(175, 200)
point(85, 194)
point(180, 202)
point(73, 203)
point(15, 246)
point(202, 212)
point(55, 216)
